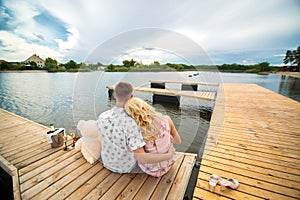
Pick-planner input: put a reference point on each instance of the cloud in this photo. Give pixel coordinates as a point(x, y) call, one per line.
point(39, 36)
point(18, 49)
point(76, 28)
point(146, 56)
point(243, 24)
point(72, 39)
point(279, 55)
point(34, 28)
point(163, 44)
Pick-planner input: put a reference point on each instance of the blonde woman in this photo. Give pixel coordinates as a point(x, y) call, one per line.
point(158, 132)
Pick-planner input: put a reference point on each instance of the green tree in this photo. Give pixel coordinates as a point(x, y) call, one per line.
point(71, 65)
point(289, 57)
point(110, 67)
point(5, 65)
point(263, 67)
point(297, 56)
point(50, 63)
point(33, 65)
point(128, 63)
point(156, 63)
point(292, 57)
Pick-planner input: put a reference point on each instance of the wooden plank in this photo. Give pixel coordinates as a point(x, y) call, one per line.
point(184, 82)
point(262, 186)
point(255, 168)
point(30, 179)
point(8, 115)
point(54, 185)
point(32, 157)
point(167, 180)
point(182, 178)
point(148, 187)
point(10, 124)
point(22, 131)
point(263, 163)
point(248, 172)
point(25, 147)
point(14, 132)
point(66, 190)
point(233, 194)
point(203, 194)
point(57, 156)
point(254, 136)
point(86, 188)
point(259, 147)
point(131, 190)
point(27, 151)
point(13, 172)
point(47, 182)
point(261, 156)
point(97, 192)
point(261, 143)
point(116, 189)
point(191, 94)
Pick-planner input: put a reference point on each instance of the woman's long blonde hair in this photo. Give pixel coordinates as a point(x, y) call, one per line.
point(145, 116)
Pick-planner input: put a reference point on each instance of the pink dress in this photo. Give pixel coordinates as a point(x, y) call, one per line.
point(162, 144)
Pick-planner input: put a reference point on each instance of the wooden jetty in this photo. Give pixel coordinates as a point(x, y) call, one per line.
point(185, 82)
point(38, 171)
point(161, 94)
point(254, 137)
point(209, 96)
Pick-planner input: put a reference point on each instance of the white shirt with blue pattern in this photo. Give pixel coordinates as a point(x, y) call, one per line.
point(120, 135)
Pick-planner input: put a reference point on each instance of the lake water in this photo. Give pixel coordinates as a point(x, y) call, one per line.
point(65, 98)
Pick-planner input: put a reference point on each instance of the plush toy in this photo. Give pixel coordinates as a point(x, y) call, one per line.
point(89, 143)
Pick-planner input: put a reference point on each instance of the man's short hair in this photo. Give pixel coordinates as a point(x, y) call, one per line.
point(123, 91)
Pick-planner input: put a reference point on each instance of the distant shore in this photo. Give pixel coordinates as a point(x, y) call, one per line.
point(24, 71)
point(292, 74)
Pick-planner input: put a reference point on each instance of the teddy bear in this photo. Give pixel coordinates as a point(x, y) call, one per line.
point(89, 143)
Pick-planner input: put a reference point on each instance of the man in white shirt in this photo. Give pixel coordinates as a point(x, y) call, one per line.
point(121, 139)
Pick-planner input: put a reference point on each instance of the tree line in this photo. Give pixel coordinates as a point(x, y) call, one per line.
point(51, 65)
point(132, 65)
point(291, 60)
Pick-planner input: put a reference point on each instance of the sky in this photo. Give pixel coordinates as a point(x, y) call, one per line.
point(189, 31)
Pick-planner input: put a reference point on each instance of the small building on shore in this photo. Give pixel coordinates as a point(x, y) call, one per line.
point(35, 58)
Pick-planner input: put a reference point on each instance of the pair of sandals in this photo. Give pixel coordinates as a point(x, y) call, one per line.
point(214, 179)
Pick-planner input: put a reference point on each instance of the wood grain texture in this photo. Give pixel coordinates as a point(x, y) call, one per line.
point(254, 136)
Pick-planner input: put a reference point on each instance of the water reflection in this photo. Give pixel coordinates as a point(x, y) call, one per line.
point(290, 86)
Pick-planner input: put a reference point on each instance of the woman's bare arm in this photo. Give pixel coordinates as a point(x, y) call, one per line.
point(174, 133)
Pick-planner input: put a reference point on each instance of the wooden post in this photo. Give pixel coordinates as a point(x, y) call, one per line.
point(9, 174)
point(110, 93)
point(164, 98)
point(161, 85)
point(190, 87)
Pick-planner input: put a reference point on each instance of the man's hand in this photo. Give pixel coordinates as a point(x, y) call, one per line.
point(149, 158)
point(172, 151)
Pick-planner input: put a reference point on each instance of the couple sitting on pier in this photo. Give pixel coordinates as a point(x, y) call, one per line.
point(134, 133)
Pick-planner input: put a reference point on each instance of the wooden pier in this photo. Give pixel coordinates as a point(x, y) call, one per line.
point(209, 96)
point(161, 94)
point(38, 171)
point(254, 137)
point(185, 82)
